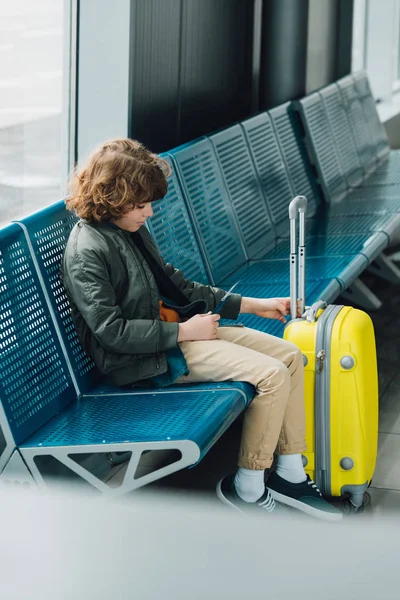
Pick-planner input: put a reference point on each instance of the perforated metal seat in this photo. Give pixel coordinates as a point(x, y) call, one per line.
point(270, 167)
point(212, 216)
point(387, 172)
point(251, 207)
point(43, 411)
point(334, 245)
point(376, 128)
point(322, 147)
point(331, 223)
point(172, 231)
point(34, 380)
point(299, 169)
point(359, 126)
point(338, 218)
point(369, 201)
point(327, 119)
point(205, 185)
point(253, 213)
point(345, 152)
point(343, 269)
point(325, 289)
point(372, 143)
point(184, 421)
point(193, 414)
point(387, 175)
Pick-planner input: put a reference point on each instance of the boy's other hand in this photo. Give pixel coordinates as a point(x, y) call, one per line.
point(199, 327)
point(268, 308)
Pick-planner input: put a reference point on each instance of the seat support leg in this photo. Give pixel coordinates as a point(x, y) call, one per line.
point(395, 257)
point(385, 268)
point(16, 473)
point(358, 293)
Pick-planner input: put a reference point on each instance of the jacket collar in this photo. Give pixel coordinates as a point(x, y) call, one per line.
point(107, 225)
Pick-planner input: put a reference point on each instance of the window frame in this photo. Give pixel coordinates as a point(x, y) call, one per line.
point(69, 91)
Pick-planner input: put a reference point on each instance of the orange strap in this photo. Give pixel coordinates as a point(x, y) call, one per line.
point(168, 314)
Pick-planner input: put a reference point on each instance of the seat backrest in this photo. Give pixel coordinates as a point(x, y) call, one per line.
point(48, 231)
point(173, 232)
point(379, 137)
point(321, 147)
point(342, 134)
point(243, 185)
point(270, 167)
point(302, 173)
point(358, 123)
point(34, 380)
point(208, 204)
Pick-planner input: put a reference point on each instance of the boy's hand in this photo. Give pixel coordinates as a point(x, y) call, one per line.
point(268, 308)
point(199, 327)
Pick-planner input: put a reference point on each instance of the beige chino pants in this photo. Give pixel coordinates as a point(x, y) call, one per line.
point(275, 419)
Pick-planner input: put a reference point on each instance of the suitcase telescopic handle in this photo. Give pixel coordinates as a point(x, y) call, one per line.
point(297, 208)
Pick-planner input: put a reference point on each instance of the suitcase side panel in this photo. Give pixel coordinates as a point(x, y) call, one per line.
point(303, 334)
point(353, 402)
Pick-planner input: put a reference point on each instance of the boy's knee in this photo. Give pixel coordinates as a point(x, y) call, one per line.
point(279, 376)
point(294, 354)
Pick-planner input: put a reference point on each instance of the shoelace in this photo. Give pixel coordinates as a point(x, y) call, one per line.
point(268, 504)
point(314, 486)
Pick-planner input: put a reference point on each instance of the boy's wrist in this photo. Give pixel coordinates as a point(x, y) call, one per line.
point(249, 305)
point(181, 332)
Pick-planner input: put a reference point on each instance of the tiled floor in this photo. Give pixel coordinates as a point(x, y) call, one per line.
point(385, 488)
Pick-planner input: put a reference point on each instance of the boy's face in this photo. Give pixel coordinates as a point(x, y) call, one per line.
point(134, 218)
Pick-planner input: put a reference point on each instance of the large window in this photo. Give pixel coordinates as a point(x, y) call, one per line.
point(35, 58)
point(376, 45)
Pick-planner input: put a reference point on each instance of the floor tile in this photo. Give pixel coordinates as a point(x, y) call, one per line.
point(386, 374)
point(117, 476)
point(383, 502)
point(387, 473)
point(389, 408)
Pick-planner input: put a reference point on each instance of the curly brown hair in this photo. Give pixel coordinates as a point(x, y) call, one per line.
point(116, 177)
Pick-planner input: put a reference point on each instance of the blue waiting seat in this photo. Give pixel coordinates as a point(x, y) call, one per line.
point(377, 133)
point(333, 151)
point(53, 409)
point(358, 124)
point(171, 228)
point(212, 210)
point(326, 254)
point(362, 197)
point(243, 187)
point(327, 220)
point(321, 115)
point(328, 245)
point(382, 164)
point(34, 382)
point(176, 239)
point(270, 168)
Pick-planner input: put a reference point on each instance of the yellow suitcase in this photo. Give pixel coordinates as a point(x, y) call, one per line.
point(341, 382)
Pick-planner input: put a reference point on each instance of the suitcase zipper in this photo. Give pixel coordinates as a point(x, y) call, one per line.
point(322, 398)
point(320, 361)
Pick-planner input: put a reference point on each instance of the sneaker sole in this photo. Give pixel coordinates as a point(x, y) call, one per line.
point(225, 500)
point(309, 510)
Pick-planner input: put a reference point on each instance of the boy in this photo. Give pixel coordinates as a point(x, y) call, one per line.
point(142, 322)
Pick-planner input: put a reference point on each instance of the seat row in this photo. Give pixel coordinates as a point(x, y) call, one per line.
point(224, 219)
